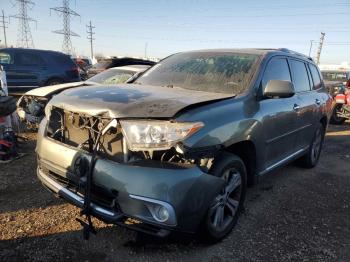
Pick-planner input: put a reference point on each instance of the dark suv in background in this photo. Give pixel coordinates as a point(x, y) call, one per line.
point(176, 149)
point(30, 68)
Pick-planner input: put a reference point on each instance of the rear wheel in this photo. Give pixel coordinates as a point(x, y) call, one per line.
point(310, 159)
point(223, 212)
point(335, 119)
point(52, 82)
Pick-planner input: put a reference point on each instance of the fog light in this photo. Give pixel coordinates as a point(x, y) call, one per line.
point(161, 213)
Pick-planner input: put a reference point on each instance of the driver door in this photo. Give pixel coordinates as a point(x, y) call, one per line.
point(278, 116)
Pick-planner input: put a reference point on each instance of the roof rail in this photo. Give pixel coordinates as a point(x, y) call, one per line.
point(286, 50)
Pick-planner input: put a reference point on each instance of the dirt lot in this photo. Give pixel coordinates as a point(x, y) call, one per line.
point(292, 214)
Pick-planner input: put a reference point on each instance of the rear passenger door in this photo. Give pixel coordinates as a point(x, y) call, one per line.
point(278, 117)
point(28, 65)
point(306, 103)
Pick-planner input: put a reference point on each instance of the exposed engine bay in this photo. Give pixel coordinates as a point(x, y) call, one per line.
point(31, 109)
point(82, 131)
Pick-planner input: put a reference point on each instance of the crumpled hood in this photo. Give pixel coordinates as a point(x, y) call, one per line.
point(130, 100)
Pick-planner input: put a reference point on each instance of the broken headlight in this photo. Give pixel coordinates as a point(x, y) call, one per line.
point(156, 135)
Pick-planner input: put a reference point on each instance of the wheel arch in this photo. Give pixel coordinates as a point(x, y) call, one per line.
point(246, 150)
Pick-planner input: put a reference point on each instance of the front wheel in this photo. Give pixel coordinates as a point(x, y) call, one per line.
point(335, 119)
point(224, 210)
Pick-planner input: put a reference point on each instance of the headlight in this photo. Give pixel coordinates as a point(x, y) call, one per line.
point(156, 135)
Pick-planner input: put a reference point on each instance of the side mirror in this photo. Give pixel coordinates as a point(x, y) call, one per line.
point(279, 88)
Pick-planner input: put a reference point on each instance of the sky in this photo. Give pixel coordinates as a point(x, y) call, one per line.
point(163, 27)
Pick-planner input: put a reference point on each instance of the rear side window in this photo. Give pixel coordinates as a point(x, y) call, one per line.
point(300, 76)
point(27, 59)
point(315, 77)
point(5, 58)
point(277, 69)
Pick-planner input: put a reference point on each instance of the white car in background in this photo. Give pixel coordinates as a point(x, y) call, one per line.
point(30, 107)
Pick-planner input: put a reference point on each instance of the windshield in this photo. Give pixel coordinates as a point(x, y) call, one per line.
point(112, 76)
point(217, 72)
point(335, 76)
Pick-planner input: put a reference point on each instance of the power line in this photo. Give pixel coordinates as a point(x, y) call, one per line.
point(66, 13)
point(24, 35)
point(90, 34)
point(3, 22)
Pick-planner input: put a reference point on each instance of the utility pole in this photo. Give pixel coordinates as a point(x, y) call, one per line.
point(90, 34)
point(24, 36)
point(320, 48)
point(4, 26)
point(311, 42)
point(67, 13)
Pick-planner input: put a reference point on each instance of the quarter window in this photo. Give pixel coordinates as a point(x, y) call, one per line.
point(277, 69)
point(315, 76)
point(300, 76)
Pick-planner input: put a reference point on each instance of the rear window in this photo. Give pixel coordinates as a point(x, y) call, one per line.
point(112, 76)
point(315, 77)
point(300, 76)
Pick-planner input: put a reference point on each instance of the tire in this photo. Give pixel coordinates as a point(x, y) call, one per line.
point(225, 208)
point(310, 159)
point(55, 81)
point(335, 119)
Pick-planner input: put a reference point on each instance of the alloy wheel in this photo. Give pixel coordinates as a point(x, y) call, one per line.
point(226, 204)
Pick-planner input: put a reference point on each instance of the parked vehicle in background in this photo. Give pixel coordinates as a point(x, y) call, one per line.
point(84, 64)
point(341, 109)
point(116, 62)
point(30, 107)
point(176, 148)
point(337, 83)
point(336, 80)
point(30, 68)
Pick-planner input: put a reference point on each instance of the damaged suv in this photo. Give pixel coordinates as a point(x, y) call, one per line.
point(176, 149)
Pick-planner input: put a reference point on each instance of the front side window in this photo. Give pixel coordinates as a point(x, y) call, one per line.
point(216, 72)
point(300, 76)
point(277, 69)
point(5, 58)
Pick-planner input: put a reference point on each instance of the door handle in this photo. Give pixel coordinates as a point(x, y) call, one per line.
point(318, 101)
point(296, 107)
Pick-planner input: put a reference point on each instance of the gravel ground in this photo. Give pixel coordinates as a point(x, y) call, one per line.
point(293, 214)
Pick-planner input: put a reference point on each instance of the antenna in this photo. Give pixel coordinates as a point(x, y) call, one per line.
point(24, 36)
point(90, 34)
point(66, 13)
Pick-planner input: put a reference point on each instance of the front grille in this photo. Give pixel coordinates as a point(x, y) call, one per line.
point(81, 131)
